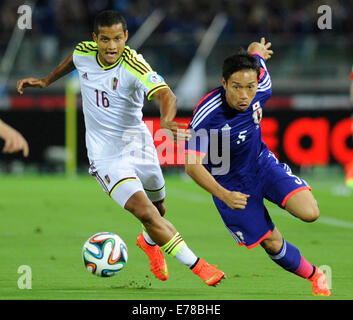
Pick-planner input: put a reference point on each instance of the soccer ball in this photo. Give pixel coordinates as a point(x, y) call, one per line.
point(104, 254)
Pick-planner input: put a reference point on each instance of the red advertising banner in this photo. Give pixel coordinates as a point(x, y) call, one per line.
point(299, 138)
point(304, 141)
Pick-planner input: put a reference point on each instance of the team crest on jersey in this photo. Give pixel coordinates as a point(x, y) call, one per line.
point(155, 78)
point(114, 83)
point(257, 112)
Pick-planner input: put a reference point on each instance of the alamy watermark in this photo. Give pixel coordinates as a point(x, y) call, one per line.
point(24, 21)
point(328, 273)
point(325, 19)
point(25, 280)
point(214, 145)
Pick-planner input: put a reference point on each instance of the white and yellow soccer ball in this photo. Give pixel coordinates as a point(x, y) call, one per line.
point(104, 254)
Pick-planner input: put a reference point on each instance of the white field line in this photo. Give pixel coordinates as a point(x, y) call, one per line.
point(276, 211)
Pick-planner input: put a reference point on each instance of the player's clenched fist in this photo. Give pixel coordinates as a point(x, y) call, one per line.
point(235, 199)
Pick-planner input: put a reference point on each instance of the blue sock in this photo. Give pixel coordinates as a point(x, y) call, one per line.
point(290, 259)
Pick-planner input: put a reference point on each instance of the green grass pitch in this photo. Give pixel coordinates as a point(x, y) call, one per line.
point(46, 219)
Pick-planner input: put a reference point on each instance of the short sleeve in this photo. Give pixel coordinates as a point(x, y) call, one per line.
point(151, 82)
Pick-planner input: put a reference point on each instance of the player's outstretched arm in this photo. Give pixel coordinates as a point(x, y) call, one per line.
point(14, 141)
point(261, 47)
point(61, 70)
point(195, 169)
point(168, 110)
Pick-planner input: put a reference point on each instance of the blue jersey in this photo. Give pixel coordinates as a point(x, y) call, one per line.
point(230, 139)
point(239, 160)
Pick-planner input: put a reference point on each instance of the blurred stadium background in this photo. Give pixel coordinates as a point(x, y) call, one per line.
point(306, 123)
point(310, 69)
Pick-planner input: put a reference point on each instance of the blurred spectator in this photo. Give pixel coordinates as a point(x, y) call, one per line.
point(290, 16)
point(44, 18)
point(292, 24)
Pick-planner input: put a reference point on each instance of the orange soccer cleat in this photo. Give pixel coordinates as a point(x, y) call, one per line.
point(208, 273)
point(158, 264)
point(319, 284)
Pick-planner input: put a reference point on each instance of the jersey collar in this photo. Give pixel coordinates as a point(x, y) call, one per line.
point(107, 67)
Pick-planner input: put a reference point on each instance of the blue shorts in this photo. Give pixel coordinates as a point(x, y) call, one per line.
point(274, 182)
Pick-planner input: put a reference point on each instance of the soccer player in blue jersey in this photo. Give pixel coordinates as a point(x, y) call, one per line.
point(227, 157)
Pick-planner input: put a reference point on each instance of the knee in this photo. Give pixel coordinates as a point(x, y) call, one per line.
point(146, 213)
point(304, 206)
point(311, 214)
point(272, 246)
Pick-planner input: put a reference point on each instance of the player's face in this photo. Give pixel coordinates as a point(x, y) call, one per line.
point(240, 89)
point(111, 43)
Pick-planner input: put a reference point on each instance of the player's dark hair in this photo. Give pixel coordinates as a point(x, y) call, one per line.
point(108, 18)
point(241, 60)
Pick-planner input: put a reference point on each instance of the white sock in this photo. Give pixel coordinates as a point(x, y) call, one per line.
point(148, 239)
point(186, 256)
point(176, 247)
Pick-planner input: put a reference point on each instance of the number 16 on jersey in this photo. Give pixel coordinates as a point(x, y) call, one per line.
point(102, 99)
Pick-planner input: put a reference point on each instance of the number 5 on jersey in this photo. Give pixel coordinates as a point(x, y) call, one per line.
point(102, 99)
point(242, 136)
